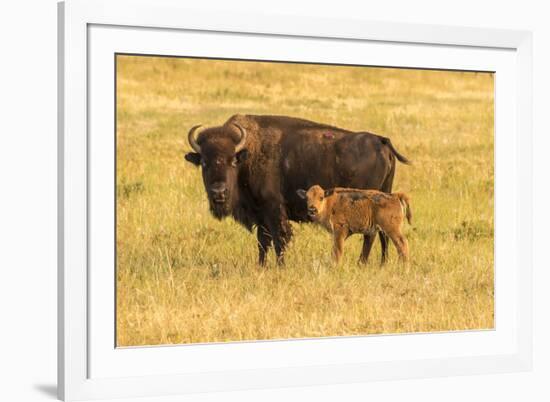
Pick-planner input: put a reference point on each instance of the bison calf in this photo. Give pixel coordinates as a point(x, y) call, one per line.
point(345, 211)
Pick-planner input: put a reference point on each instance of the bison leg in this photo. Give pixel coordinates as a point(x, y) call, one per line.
point(281, 239)
point(277, 224)
point(264, 243)
point(384, 240)
point(281, 233)
point(368, 239)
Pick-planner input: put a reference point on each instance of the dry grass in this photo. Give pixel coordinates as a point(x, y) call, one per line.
point(184, 277)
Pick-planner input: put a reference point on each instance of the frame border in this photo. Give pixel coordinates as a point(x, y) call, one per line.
point(74, 16)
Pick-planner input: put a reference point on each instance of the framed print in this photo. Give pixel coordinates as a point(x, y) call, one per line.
point(267, 201)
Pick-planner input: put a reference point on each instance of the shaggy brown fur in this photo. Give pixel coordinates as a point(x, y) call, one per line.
point(345, 211)
point(252, 166)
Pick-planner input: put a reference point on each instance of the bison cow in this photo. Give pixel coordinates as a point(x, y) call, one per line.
point(252, 167)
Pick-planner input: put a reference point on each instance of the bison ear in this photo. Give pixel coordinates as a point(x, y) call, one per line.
point(242, 155)
point(194, 158)
point(301, 193)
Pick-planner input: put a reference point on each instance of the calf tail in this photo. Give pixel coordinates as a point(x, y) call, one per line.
point(405, 201)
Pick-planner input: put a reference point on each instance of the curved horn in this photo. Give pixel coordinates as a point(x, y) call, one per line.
point(191, 138)
point(242, 141)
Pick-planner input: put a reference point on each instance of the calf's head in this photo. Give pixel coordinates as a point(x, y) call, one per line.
point(316, 200)
point(219, 151)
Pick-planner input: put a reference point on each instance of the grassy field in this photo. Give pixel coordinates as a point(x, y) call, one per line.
point(184, 277)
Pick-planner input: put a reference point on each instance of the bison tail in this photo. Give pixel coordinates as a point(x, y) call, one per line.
point(400, 158)
point(405, 201)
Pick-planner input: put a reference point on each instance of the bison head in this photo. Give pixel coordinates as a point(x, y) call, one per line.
point(316, 201)
point(219, 152)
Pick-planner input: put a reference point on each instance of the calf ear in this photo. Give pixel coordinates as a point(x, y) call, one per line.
point(194, 158)
point(301, 193)
point(242, 155)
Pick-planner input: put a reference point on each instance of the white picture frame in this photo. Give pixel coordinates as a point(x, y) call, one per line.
point(90, 367)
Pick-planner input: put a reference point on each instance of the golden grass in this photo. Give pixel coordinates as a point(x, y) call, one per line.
point(184, 277)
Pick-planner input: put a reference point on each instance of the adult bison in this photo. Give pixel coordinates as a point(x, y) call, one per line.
point(253, 165)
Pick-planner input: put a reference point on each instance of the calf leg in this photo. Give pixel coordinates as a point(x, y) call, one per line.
point(264, 243)
point(340, 234)
point(404, 248)
point(401, 245)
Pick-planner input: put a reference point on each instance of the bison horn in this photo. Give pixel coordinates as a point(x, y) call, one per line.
point(191, 138)
point(242, 141)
